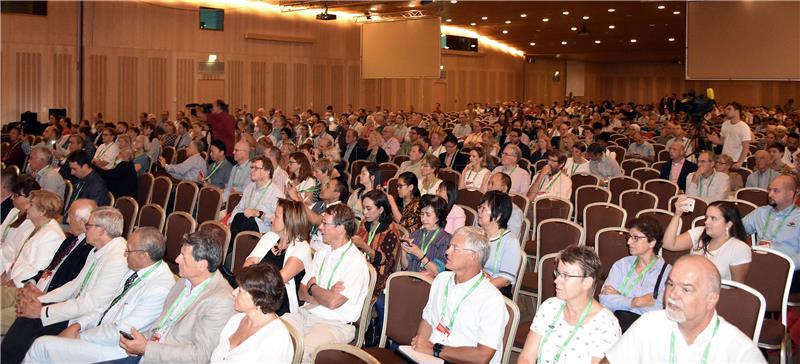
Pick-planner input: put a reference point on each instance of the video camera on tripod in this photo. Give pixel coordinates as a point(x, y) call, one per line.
point(193, 108)
point(698, 106)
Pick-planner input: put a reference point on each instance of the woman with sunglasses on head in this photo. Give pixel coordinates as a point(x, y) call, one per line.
point(572, 327)
point(405, 210)
point(635, 284)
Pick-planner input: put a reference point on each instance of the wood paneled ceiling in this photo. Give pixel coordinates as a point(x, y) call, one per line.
point(658, 27)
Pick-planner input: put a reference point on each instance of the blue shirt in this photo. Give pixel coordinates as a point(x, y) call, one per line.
point(239, 178)
point(616, 277)
point(783, 231)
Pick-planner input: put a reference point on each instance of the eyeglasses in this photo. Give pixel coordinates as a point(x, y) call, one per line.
point(629, 236)
point(254, 167)
point(455, 248)
point(88, 225)
point(133, 251)
point(241, 150)
point(329, 223)
point(401, 186)
point(557, 273)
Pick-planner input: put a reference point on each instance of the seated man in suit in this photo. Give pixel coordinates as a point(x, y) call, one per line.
point(65, 266)
point(40, 313)
point(353, 150)
point(452, 158)
point(197, 308)
point(86, 183)
point(678, 168)
point(138, 301)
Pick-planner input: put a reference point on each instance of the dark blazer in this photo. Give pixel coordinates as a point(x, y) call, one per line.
point(380, 157)
point(688, 167)
point(121, 180)
point(5, 207)
point(358, 153)
point(72, 264)
point(459, 164)
point(92, 187)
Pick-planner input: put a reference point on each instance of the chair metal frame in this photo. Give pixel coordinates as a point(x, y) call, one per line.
point(512, 332)
point(297, 341)
point(135, 216)
point(224, 228)
point(363, 320)
point(350, 349)
point(256, 235)
point(785, 345)
point(414, 275)
point(196, 194)
point(608, 200)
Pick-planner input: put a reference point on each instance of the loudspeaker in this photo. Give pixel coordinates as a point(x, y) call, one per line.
point(58, 113)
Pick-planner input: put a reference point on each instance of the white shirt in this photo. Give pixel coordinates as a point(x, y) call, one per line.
point(263, 199)
point(481, 318)
point(714, 188)
point(648, 341)
point(352, 272)
point(36, 253)
point(270, 344)
point(474, 180)
point(733, 135)
point(732, 252)
point(559, 185)
point(571, 168)
point(298, 249)
point(107, 152)
point(68, 302)
point(432, 189)
point(594, 338)
point(14, 236)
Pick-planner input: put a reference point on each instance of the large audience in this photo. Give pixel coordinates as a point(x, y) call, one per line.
point(340, 200)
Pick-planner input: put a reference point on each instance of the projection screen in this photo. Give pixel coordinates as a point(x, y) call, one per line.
point(401, 49)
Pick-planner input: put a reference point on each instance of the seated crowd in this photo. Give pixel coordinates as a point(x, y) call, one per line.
point(341, 201)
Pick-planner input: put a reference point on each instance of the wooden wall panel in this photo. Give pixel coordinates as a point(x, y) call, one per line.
point(156, 84)
point(354, 96)
point(300, 85)
point(96, 84)
point(402, 102)
point(128, 90)
point(279, 86)
point(258, 84)
point(387, 100)
point(337, 88)
point(318, 87)
point(235, 83)
point(371, 93)
point(185, 80)
point(62, 81)
point(29, 82)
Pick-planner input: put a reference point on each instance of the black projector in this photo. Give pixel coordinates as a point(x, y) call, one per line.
point(326, 16)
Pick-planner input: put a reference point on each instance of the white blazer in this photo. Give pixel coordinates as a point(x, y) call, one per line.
point(299, 249)
point(36, 254)
point(14, 237)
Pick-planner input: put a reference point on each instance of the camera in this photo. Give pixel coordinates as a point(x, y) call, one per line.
point(193, 107)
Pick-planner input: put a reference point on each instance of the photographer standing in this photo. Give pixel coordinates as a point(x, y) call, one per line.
point(222, 125)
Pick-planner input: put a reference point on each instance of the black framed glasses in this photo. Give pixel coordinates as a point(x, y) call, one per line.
point(629, 236)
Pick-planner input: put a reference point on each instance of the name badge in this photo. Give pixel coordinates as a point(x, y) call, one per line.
point(764, 244)
point(156, 337)
point(443, 330)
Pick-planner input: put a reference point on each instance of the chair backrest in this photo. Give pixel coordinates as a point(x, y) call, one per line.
point(619, 152)
point(547, 282)
point(521, 202)
point(223, 231)
point(611, 245)
point(619, 184)
point(549, 207)
point(209, 202)
point(181, 156)
point(520, 272)
point(671, 256)
point(152, 215)
point(67, 190)
point(645, 174)
point(629, 165)
point(178, 224)
point(342, 353)
point(586, 195)
point(406, 297)
point(297, 342)
point(243, 244)
point(743, 307)
point(658, 165)
point(145, 183)
point(743, 172)
point(185, 197)
point(743, 206)
point(363, 321)
point(162, 187)
point(470, 214)
point(754, 195)
point(469, 197)
point(663, 156)
point(111, 199)
point(355, 169)
point(130, 210)
point(601, 215)
point(388, 170)
point(169, 154)
point(447, 174)
point(699, 221)
point(663, 189)
point(700, 207)
point(553, 235)
point(771, 274)
point(510, 331)
point(582, 179)
point(233, 200)
point(637, 200)
point(391, 188)
point(662, 216)
point(398, 160)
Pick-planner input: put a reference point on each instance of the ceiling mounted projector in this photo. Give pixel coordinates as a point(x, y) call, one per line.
point(325, 16)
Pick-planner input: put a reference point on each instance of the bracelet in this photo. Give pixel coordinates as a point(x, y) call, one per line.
point(308, 290)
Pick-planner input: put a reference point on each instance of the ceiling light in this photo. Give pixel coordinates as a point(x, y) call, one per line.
point(523, 15)
point(611, 27)
point(508, 21)
point(374, 8)
point(484, 18)
point(472, 46)
point(676, 12)
point(585, 17)
point(453, 1)
point(473, 24)
point(611, 10)
point(565, 13)
point(449, 20)
point(545, 19)
point(412, 5)
point(573, 29)
point(633, 40)
point(661, 7)
point(671, 39)
point(563, 42)
point(533, 44)
point(505, 31)
point(597, 42)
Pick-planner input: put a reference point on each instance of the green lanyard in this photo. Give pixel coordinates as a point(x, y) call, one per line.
point(512, 171)
point(19, 252)
point(575, 167)
point(335, 267)
point(767, 235)
point(87, 276)
point(7, 228)
point(499, 241)
point(372, 232)
point(624, 288)
point(260, 197)
point(453, 159)
point(169, 319)
point(705, 352)
point(427, 244)
point(214, 170)
point(105, 150)
point(552, 181)
point(708, 185)
point(574, 330)
point(125, 290)
point(458, 306)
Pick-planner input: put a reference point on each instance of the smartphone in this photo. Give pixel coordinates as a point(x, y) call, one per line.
point(126, 335)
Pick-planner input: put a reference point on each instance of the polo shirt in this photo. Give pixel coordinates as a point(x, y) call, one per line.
point(520, 179)
point(352, 272)
point(782, 231)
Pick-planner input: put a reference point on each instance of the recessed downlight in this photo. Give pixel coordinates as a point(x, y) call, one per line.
point(523, 15)
point(484, 18)
point(473, 24)
point(671, 39)
point(505, 31)
point(565, 12)
point(545, 19)
point(611, 10)
point(508, 21)
point(573, 29)
point(633, 40)
point(563, 42)
point(585, 17)
point(676, 12)
point(661, 7)
point(533, 43)
point(449, 20)
point(597, 42)
point(611, 27)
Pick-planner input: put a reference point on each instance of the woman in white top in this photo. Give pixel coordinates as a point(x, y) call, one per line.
point(286, 247)
point(36, 251)
point(475, 175)
point(16, 227)
point(572, 327)
point(256, 334)
point(489, 144)
point(429, 183)
point(577, 163)
point(300, 174)
point(721, 239)
point(456, 218)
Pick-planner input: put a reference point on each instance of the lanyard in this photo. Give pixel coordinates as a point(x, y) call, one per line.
point(470, 174)
point(575, 167)
point(106, 150)
point(86, 277)
point(549, 185)
point(214, 170)
point(453, 159)
point(499, 241)
point(624, 288)
point(125, 290)
point(705, 352)
point(458, 306)
point(426, 243)
point(7, 228)
point(184, 302)
point(335, 267)
point(512, 171)
point(19, 252)
point(260, 197)
point(372, 232)
point(767, 235)
point(572, 332)
point(708, 185)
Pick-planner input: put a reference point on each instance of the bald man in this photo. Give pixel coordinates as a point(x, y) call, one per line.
point(688, 330)
point(762, 173)
point(777, 225)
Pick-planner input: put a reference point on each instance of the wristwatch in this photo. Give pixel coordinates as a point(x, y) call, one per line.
point(437, 349)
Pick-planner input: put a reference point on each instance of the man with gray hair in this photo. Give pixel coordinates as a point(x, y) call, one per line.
point(137, 303)
point(40, 313)
point(465, 317)
point(40, 163)
point(688, 330)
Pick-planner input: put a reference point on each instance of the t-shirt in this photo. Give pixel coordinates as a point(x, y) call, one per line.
point(504, 257)
point(352, 271)
point(733, 252)
point(734, 135)
point(270, 344)
point(594, 338)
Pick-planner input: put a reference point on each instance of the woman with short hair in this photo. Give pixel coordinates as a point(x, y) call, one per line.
point(425, 248)
point(16, 227)
point(572, 327)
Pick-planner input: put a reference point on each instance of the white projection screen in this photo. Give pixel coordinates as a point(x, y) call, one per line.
point(743, 40)
point(401, 49)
